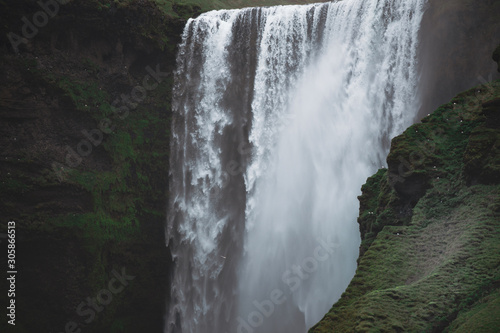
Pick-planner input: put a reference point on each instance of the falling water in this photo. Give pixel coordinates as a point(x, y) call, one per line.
point(280, 115)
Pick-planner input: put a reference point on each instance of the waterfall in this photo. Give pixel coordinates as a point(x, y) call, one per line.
point(280, 115)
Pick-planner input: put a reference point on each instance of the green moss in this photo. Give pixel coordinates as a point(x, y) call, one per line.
point(87, 97)
point(100, 227)
point(482, 317)
point(14, 185)
point(419, 271)
point(378, 208)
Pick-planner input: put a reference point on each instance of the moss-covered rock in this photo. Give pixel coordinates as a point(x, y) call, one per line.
point(85, 178)
point(482, 155)
point(379, 206)
point(430, 253)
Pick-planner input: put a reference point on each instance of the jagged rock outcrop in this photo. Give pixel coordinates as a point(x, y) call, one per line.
point(430, 228)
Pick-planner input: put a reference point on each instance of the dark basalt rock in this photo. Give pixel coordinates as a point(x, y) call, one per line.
point(75, 224)
point(482, 156)
point(496, 56)
point(491, 110)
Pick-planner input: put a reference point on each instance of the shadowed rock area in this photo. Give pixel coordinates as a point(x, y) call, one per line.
point(457, 40)
point(87, 185)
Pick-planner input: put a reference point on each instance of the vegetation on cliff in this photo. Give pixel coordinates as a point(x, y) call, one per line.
point(430, 254)
point(85, 108)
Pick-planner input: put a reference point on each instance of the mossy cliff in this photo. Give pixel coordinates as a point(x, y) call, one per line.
point(85, 182)
point(430, 226)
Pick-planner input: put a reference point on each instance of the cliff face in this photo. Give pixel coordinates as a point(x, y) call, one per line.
point(430, 225)
point(457, 39)
point(85, 183)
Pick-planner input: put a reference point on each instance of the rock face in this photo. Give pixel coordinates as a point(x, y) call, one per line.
point(430, 228)
point(85, 183)
point(482, 155)
point(496, 57)
point(459, 37)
